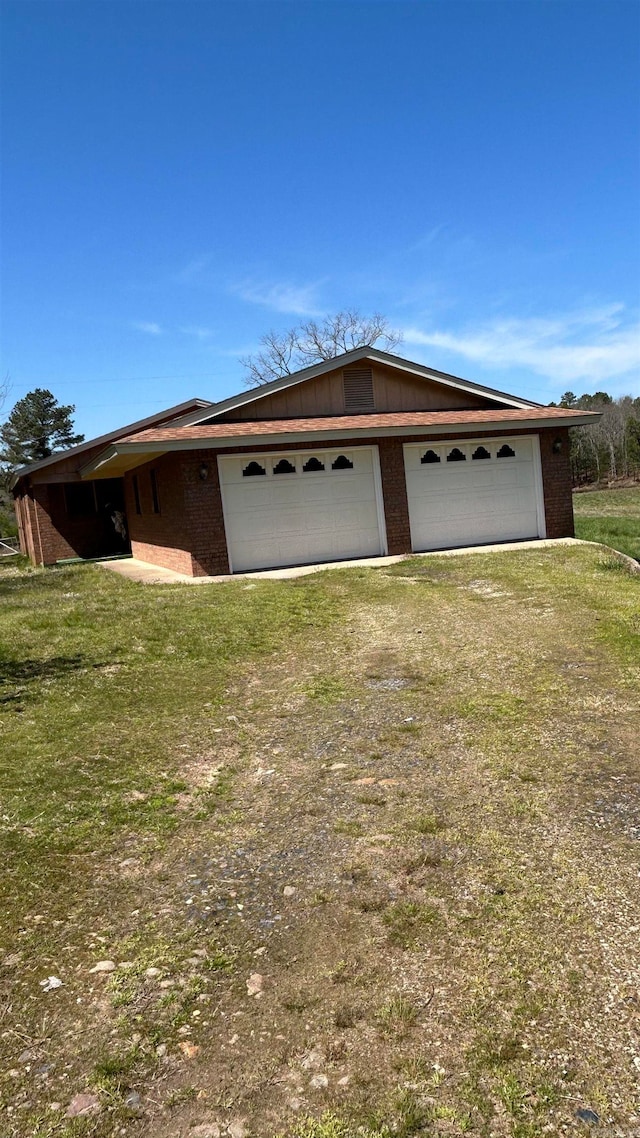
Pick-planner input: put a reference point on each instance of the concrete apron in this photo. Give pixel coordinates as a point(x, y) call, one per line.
point(149, 574)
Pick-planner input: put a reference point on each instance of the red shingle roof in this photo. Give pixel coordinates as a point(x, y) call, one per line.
point(422, 420)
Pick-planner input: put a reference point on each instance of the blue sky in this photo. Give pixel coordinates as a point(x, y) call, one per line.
point(182, 177)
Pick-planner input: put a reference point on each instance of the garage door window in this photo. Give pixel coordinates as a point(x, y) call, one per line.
point(284, 467)
point(252, 470)
point(456, 455)
point(342, 463)
point(481, 452)
point(430, 456)
point(313, 465)
point(506, 452)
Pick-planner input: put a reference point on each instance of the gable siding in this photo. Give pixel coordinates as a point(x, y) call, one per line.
point(393, 391)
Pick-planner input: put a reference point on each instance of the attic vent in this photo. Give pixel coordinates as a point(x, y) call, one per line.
point(358, 389)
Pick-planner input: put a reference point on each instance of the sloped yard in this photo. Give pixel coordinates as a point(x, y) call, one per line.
point(611, 517)
point(360, 847)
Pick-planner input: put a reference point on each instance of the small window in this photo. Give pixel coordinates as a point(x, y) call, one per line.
point(284, 467)
point(253, 470)
point(155, 500)
point(313, 464)
point(506, 452)
point(79, 499)
point(342, 463)
point(136, 494)
point(430, 456)
point(456, 455)
point(481, 452)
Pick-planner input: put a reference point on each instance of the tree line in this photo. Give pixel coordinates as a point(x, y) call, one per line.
point(609, 449)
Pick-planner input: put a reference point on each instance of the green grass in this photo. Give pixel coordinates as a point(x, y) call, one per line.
point(174, 757)
point(611, 517)
point(619, 503)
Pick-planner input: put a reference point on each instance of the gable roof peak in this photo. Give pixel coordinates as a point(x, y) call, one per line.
point(254, 394)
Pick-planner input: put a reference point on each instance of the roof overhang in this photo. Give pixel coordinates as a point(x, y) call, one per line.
point(124, 456)
point(174, 415)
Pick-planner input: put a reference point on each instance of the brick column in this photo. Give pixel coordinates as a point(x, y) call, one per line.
point(204, 520)
point(556, 482)
point(394, 493)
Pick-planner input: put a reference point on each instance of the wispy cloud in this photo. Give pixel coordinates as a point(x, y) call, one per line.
point(193, 270)
point(593, 344)
point(198, 332)
point(428, 238)
point(148, 326)
point(298, 300)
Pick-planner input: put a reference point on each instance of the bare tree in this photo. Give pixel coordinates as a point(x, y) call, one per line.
point(282, 353)
point(610, 432)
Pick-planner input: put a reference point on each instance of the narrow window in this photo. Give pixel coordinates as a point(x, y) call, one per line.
point(136, 494)
point(342, 463)
point(430, 456)
point(506, 452)
point(357, 383)
point(284, 467)
point(252, 470)
point(481, 452)
point(313, 464)
point(155, 500)
point(456, 455)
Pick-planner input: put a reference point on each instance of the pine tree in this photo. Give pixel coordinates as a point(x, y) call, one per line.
point(37, 426)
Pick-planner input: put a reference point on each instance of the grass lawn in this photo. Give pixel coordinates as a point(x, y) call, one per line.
point(611, 517)
point(357, 853)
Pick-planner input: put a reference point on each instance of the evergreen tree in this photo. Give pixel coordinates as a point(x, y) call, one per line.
point(37, 426)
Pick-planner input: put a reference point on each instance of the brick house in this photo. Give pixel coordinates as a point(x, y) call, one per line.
point(362, 455)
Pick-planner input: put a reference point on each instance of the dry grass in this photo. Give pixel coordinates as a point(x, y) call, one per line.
point(460, 950)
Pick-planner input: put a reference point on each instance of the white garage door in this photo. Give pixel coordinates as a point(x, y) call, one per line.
point(294, 509)
point(473, 492)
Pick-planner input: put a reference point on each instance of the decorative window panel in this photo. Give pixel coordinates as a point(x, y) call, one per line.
point(284, 467)
point(313, 464)
point(253, 470)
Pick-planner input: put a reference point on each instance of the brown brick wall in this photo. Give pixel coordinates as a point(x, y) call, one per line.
point(188, 535)
point(394, 495)
point(556, 482)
